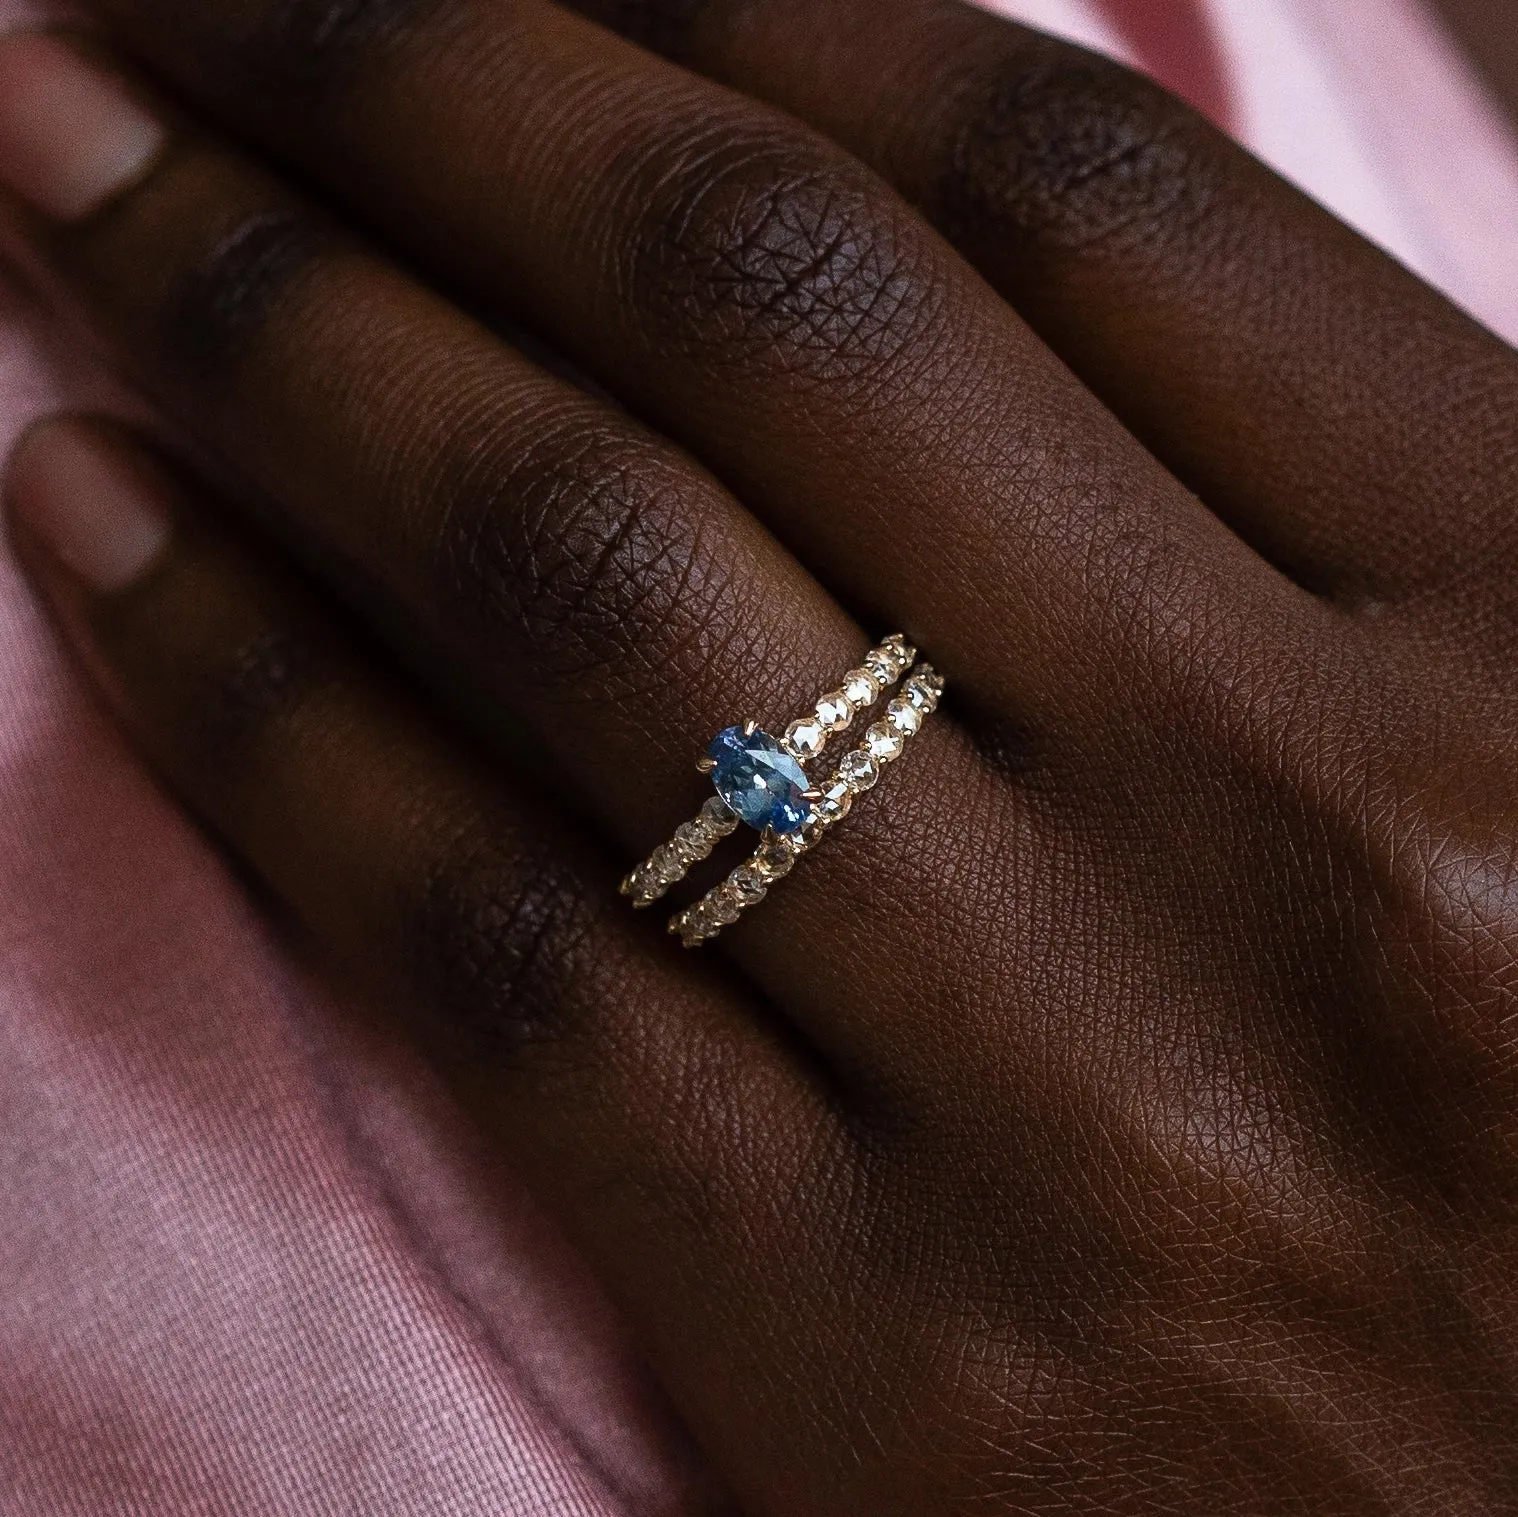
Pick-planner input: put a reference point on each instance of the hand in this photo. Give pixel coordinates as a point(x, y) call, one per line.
point(1120, 1112)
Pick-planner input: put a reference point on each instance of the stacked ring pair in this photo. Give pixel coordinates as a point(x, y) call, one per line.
point(764, 782)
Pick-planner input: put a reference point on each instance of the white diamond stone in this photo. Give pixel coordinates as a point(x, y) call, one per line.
point(811, 833)
point(719, 817)
point(667, 865)
point(776, 856)
point(835, 803)
point(723, 906)
point(835, 711)
point(904, 717)
point(806, 738)
point(693, 842)
point(923, 697)
point(884, 743)
point(862, 688)
point(859, 771)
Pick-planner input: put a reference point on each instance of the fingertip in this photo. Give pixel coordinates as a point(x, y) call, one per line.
point(91, 501)
point(71, 135)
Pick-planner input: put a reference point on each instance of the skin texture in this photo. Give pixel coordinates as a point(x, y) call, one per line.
point(1117, 1116)
point(1486, 29)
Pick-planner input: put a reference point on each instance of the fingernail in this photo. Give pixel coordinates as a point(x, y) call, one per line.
point(94, 505)
point(71, 137)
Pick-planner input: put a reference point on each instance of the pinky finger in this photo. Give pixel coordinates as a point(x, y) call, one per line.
point(675, 1131)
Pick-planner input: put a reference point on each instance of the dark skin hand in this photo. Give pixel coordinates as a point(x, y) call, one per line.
point(1489, 31)
point(1120, 1113)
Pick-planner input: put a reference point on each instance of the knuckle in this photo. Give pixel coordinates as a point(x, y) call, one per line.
point(1441, 916)
point(228, 296)
point(307, 48)
point(1450, 894)
point(501, 944)
point(776, 251)
point(245, 696)
point(589, 548)
point(1065, 149)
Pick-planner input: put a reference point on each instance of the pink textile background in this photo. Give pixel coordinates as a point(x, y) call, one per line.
point(249, 1260)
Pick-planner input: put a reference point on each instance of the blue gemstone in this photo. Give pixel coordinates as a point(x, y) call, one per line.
point(759, 780)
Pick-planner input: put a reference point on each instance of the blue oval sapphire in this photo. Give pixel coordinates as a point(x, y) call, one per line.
point(759, 780)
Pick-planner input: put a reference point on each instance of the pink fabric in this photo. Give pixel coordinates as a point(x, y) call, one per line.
point(250, 1261)
point(1179, 47)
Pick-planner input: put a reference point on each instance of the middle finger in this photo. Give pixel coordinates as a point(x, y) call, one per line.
point(763, 298)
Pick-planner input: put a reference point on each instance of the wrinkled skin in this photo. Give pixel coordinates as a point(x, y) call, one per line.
point(1120, 1113)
